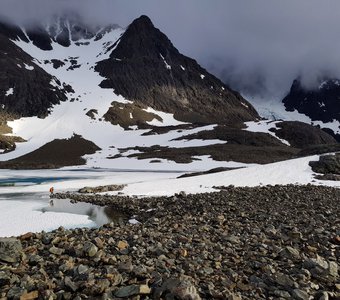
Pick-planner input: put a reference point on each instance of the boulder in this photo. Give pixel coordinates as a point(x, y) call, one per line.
point(10, 250)
point(327, 164)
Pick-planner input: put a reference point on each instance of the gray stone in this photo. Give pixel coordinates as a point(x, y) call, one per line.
point(15, 292)
point(282, 294)
point(232, 296)
point(81, 269)
point(207, 270)
point(290, 253)
point(10, 250)
point(306, 273)
point(101, 189)
point(322, 296)
point(101, 286)
point(333, 269)
point(233, 239)
point(126, 267)
point(316, 262)
point(4, 278)
point(99, 242)
point(70, 284)
point(131, 290)
point(90, 249)
point(284, 280)
point(296, 235)
point(181, 288)
point(35, 259)
point(56, 251)
point(300, 295)
point(115, 278)
point(320, 267)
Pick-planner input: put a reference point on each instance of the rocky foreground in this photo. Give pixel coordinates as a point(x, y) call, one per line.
point(277, 242)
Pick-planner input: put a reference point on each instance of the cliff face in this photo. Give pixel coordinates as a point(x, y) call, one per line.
point(320, 104)
point(25, 88)
point(145, 67)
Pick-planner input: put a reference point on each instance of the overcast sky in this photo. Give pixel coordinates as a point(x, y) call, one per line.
point(255, 45)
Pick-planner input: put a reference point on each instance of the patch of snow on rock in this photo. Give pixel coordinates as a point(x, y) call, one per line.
point(9, 92)
point(28, 67)
point(167, 118)
point(165, 62)
point(323, 84)
point(264, 126)
point(334, 125)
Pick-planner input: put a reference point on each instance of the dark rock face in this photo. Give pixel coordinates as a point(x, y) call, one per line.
point(319, 104)
point(246, 146)
point(55, 154)
point(145, 67)
point(327, 164)
point(25, 88)
point(319, 149)
point(56, 63)
point(301, 135)
point(218, 152)
point(331, 132)
point(40, 37)
point(13, 32)
point(129, 114)
point(61, 30)
point(235, 136)
point(72, 28)
point(63, 37)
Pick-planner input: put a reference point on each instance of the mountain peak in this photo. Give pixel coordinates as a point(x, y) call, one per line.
point(142, 21)
point(143, 39)
point(145, 67)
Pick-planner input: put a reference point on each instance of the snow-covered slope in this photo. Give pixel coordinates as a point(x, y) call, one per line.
point(274, 109)
point(76, 68)
point(25, 214)
point(75, 57)
point(295, 171)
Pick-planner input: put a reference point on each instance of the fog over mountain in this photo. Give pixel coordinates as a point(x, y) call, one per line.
point(258, 47)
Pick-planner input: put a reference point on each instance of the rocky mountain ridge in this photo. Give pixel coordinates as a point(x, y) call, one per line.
point(144, 66)
point(25, 88)
point(94, 82)
point(62, 30)
point(319, 104)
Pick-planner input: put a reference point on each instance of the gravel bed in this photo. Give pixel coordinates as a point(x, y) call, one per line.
point(273, 242)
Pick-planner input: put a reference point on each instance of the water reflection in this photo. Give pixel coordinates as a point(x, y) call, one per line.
point(22, 181)
point(99, 214)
